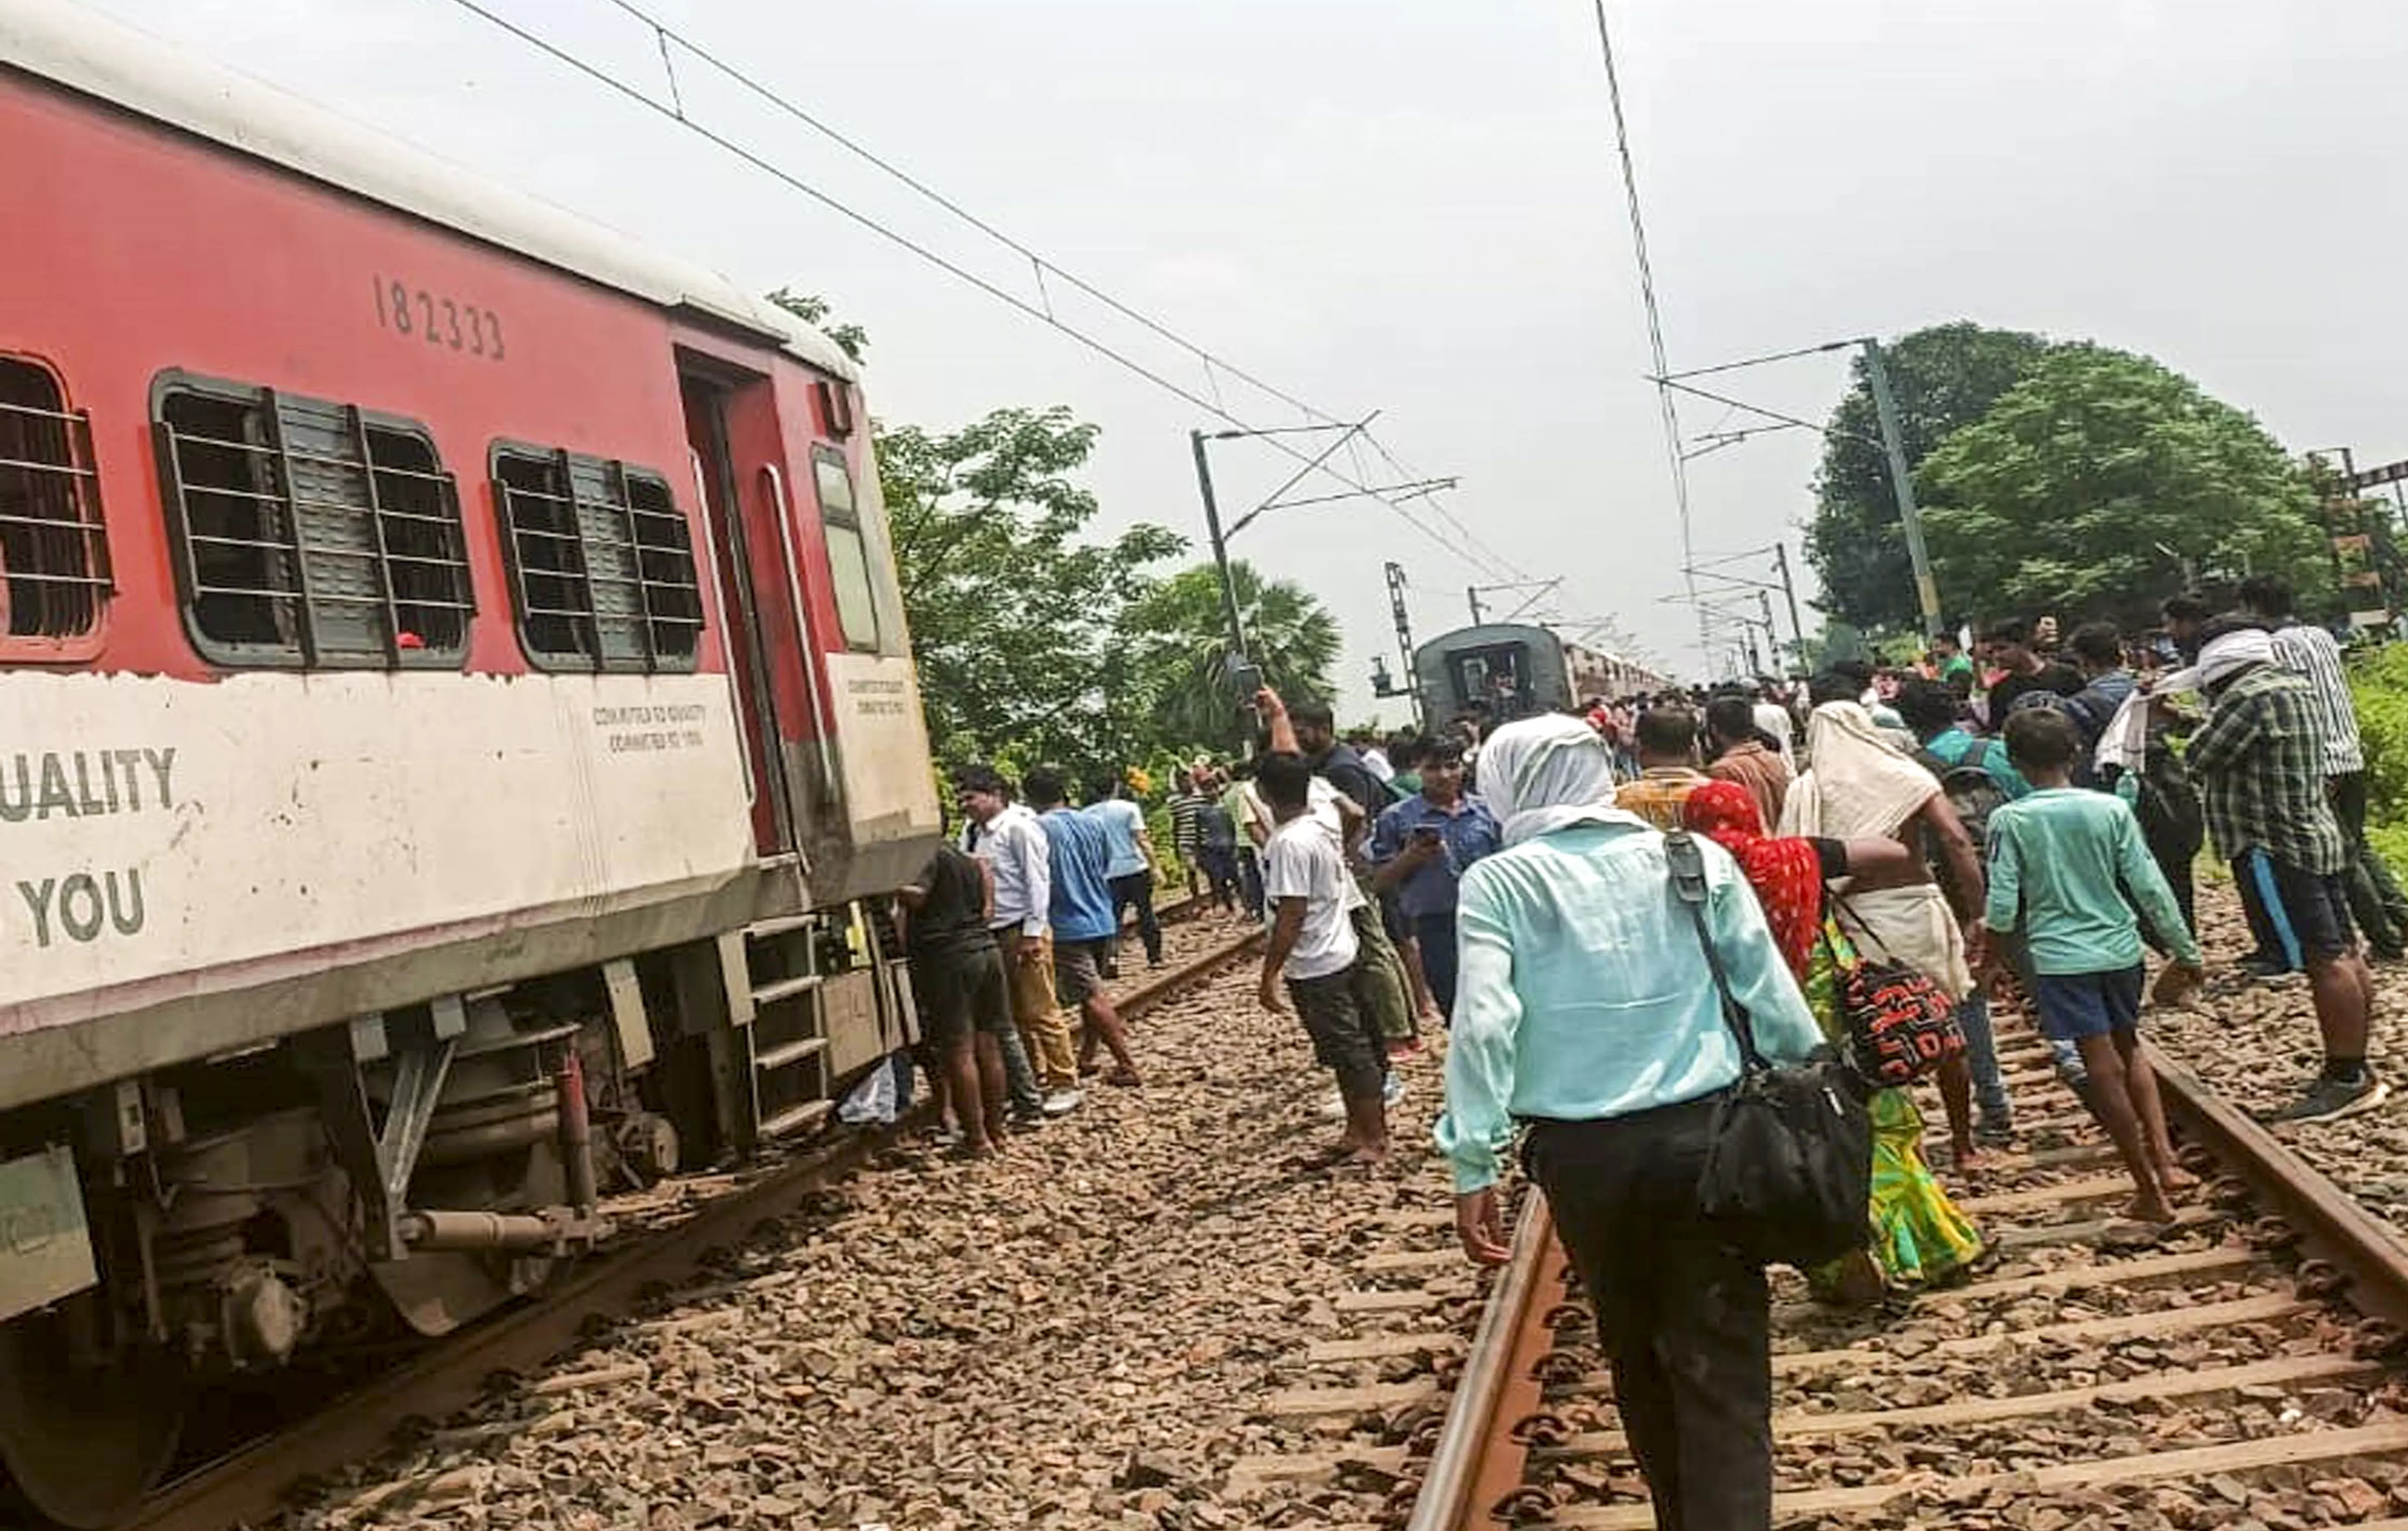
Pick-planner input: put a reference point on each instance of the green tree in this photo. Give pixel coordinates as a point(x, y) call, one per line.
point(1015, 618)
point(2093, 485)
point(811, 308)
point(1178, 637)
point(1946, 378)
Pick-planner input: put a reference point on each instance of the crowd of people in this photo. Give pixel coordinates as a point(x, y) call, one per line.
point(1013, 930)
point(2274, 773)
point(2021, 820)
point(2018, 819)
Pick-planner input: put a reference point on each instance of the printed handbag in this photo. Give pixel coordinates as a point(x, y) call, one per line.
point(1900, 1023)
point(1789, 1165)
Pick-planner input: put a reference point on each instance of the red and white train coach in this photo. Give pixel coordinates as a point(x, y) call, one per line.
point(452, 689)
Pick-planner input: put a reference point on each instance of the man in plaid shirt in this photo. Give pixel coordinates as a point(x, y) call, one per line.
point(2376, 898)
point(2260, 762)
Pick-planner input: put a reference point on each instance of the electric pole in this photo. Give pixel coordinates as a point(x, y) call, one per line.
point(1220, 551)
point(1472, 592)
point(1902, 480)
point(1789, 593)
point(1396, 574)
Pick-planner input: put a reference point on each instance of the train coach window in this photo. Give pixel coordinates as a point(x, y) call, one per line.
point(311, 533)
point(603, 562)
point(848, 550)
point(53, 559)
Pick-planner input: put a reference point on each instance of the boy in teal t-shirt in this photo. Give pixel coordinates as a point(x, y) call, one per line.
point(2062, 861)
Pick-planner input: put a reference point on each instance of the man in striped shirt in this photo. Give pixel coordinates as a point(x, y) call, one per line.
point(1185, 803)
point(2377, 901)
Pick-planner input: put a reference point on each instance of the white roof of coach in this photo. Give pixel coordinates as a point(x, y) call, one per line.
point(101, 57)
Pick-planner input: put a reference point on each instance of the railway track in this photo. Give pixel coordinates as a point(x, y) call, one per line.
point(254, 1483)
point(2241, 1368)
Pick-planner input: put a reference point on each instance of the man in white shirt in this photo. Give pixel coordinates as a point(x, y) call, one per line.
point(1375, 757)
point(1009, 839)
point(1329, 807)
point(1312, 942)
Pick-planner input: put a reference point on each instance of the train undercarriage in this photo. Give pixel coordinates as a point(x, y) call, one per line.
point(390, 1176)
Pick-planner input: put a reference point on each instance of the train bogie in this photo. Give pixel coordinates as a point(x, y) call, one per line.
point(1502, 671)
point(454, 704)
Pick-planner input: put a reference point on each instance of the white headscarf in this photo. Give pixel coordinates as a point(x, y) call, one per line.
point(1858, 783)
point(2124, 741)
point(2232, 652)
point(1542, 773)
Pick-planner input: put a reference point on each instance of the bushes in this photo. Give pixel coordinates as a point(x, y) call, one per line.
point(2379, 682)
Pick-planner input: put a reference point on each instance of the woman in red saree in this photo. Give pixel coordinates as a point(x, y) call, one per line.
point(1918, 1234)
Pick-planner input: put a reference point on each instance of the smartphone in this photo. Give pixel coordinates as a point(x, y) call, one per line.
point(1247, 679)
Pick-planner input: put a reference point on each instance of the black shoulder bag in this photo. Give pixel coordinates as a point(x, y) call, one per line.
point(1790, 1170)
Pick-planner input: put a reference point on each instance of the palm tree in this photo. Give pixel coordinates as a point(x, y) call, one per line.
point(1179, 635)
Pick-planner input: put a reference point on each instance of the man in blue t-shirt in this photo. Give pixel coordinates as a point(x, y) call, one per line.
point(1083, 917)
point(1421, 848)
point(1132, 868)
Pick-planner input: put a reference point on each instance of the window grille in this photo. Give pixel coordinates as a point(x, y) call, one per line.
point(312, 533)
point(848, 550)
point(54, 558)
point(602, 561)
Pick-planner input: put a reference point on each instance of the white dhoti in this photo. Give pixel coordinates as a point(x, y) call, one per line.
point(1859, 786)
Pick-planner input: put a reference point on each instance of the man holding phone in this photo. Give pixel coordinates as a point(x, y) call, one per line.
point(1420, 848)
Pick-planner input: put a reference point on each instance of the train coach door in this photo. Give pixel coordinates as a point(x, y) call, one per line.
point(749, 627)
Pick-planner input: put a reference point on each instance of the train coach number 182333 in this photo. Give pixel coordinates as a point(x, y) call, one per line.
point(419, 315)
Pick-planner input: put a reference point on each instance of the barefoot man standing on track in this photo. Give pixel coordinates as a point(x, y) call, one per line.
point(1312, 942)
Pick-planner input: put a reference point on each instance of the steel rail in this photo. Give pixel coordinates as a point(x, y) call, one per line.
point(1477, 1463)
point(2330, 1224)
point(251, 1485)
point(1471, 1463)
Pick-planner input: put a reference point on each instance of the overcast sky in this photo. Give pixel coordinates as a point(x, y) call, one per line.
point(1413, 207)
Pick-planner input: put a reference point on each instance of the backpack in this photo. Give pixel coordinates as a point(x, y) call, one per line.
point(1974, 794)
point(2091, 710)
point(1970, 791)
point(2168, 804)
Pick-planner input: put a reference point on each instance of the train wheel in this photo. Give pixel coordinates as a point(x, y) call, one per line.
point(83, 1446)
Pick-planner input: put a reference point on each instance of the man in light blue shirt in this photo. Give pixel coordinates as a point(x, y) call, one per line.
point(1582, 994)
point(1083, 917)
point(1586, 1007)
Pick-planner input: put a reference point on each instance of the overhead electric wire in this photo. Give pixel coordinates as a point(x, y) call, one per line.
point(1758, 361)
point(1037, 259)
point(1655, 315)
point(1497, 564)
point(1043, 312)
